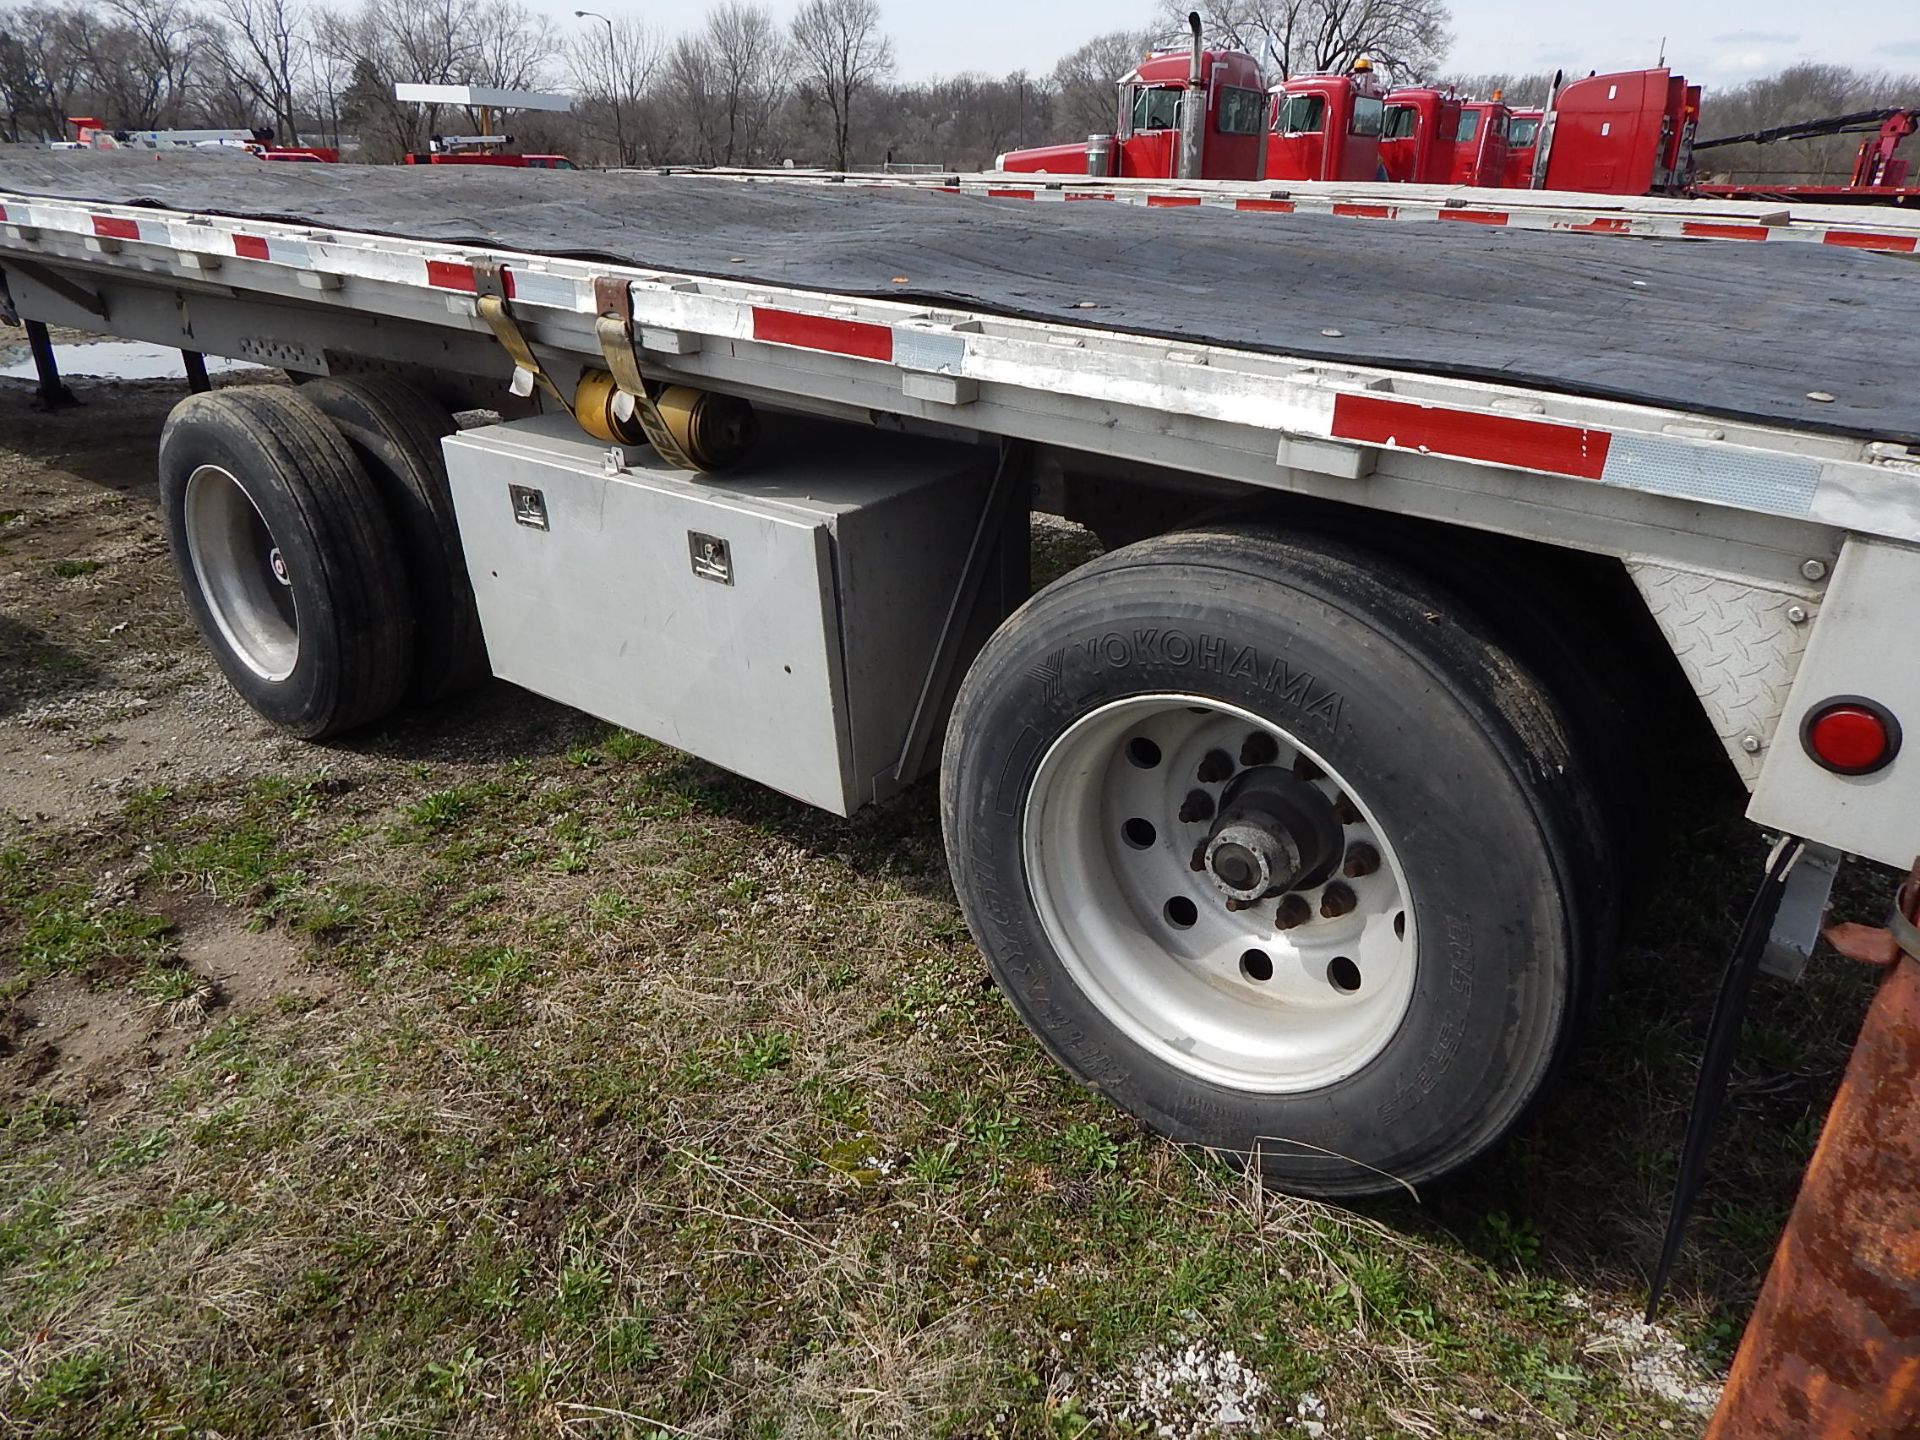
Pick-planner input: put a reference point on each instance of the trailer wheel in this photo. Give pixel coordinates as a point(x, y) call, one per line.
point(1267, 842)
point(288, 563)
point(395, 430)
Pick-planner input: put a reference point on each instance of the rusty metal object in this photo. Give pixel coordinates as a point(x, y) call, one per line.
point(1292, 912)
point(1337, 900)
point(1215, 766)
point(1833, 1349)
point(1362, 859)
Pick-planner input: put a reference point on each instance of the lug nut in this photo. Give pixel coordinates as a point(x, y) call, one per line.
point(1215, 766)
point(1362, 859)
point(1304, 769)
point(1238, 905)
point(1196, 807)
point(1292, 912)
point(1199, 861)
point(1345, 811)
point(1337, 900)
point(1259, 748)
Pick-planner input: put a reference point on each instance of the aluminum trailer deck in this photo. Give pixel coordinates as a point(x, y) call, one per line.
point(1348, 906)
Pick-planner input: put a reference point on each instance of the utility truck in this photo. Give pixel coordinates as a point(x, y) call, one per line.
point(1302, 823)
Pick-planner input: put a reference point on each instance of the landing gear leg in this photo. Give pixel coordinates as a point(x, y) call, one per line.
point(53, 392)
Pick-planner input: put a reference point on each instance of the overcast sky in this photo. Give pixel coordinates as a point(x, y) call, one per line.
point(1716, 41)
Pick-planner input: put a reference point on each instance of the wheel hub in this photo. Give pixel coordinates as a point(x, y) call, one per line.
point(1220, 893)
point(1272, 833)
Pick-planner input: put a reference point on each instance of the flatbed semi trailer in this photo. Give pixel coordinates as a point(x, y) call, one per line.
point(1301, 823)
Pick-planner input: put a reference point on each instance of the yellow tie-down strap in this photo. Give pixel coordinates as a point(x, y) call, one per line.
point(614, 330)
point(490, 301)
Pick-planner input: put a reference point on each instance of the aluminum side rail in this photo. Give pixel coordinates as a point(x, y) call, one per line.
point(976, 371)
point(1879, 228)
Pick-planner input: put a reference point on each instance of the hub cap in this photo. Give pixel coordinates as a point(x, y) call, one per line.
point(242, 574)
point(1220, 894)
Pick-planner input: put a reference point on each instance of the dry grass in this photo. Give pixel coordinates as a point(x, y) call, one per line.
point(566, 1086)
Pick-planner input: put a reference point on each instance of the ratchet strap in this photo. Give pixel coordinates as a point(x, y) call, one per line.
point(490, 301)
point(614, 330)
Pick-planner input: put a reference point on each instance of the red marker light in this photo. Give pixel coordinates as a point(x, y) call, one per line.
point(1851, 736)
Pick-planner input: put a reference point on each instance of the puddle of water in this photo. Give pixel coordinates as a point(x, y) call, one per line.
point(118, 360)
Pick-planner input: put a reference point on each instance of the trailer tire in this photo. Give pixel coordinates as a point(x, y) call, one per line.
point(1356, 1049)
point(289, 564)
point(395, 430)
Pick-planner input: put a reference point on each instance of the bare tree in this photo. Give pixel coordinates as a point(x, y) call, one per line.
point(1086, 78)
point(1527, 90)
point(619, 72)
point(266, 55)
point(1407, 38)
point(840, 53)
point(727, 78)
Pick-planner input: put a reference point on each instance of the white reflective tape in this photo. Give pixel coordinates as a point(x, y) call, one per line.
point(1722, 475)
point(557, 292)
point(916, 349)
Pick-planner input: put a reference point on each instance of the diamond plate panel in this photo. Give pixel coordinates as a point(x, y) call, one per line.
point(1737, 646)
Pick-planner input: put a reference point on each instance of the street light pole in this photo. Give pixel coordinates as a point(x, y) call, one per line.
point(613, 81)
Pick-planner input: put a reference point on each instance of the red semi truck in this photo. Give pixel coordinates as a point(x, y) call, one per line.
point(1625, 134)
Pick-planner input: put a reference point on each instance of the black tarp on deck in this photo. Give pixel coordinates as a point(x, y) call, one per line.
point(1741, 330)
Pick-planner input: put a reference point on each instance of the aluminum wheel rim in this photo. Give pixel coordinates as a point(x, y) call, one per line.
point(242, 573)
point(1228, 997)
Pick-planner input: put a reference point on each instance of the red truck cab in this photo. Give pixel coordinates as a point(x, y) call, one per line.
point(1624, 134)
point(1480, 144)
point(1146, 140)
point(1417, 135)
point(1327, 127)
point(1523, 134)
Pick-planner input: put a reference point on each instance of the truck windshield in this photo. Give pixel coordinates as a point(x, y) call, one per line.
point(1157, 107)
point(1469, 125)
point(1301, 115)
point(1398, 124)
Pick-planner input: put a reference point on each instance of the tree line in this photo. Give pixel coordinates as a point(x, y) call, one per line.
point(737, 87)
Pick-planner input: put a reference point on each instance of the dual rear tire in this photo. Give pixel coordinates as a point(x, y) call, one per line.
point(312, 533)
point(1271, 842)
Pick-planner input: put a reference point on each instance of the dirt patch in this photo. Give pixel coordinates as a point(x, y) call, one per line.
point(101, 1047)
point(250, 969)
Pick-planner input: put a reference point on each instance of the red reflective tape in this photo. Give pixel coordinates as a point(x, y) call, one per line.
point(823, 332)
point(1476, 217)
point(251, 247)
point(449, 275)
point(1604, 225)
point(1271, 207)
point(1364, 212)
point(1009, 194)
point(1705, 230)
point(1086, 195)
point(3, 212)
point(115, 228)
point(1164, 201)
point(1866, 240)
point(1468, 435)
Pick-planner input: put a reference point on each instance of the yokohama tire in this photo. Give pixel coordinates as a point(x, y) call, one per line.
point(287, 560)
point(395, 430)
point(1393, 697)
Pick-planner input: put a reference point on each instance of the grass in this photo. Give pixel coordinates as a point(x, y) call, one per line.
point(74, 569)
point(640, 1101)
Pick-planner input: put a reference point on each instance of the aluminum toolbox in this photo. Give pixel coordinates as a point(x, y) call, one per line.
point(778, 620)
